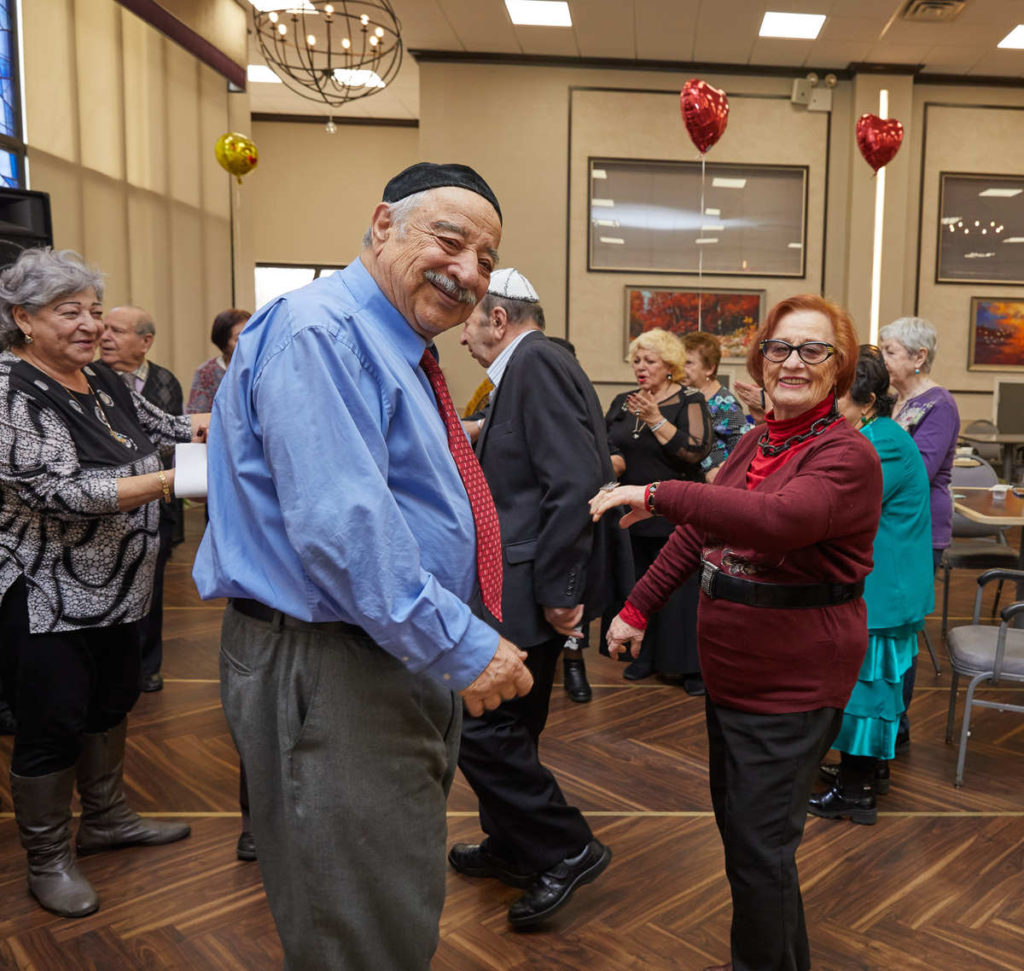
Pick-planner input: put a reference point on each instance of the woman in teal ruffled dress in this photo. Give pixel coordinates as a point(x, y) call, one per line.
point(899, 593)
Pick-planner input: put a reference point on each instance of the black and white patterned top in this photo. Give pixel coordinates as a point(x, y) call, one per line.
point(87, 564)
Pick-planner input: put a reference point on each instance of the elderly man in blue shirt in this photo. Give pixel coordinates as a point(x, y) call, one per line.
point(350, 533)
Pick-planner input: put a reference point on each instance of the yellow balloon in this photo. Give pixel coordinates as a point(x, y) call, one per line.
point(236, 154)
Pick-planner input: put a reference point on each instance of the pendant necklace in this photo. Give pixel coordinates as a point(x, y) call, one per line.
point(638, 425)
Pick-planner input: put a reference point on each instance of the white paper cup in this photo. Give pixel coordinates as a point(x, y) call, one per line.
point(999, 492)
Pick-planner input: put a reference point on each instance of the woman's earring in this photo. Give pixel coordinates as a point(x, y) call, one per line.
point(917, 370)
point(28, 338)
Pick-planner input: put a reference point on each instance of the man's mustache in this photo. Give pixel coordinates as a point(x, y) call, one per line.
point(450, 287)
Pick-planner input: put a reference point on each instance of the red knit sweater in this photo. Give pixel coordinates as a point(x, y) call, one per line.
point(811, 520)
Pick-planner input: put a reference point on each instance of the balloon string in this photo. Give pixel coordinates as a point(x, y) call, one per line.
point(700, 248)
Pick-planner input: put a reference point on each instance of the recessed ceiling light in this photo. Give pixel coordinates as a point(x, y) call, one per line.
point(603, 203)
point(598, 174)
point(978, 256)
point(612, 239)
point(539, 13)
point(1014, 39)
point(607, 223)
point(358, 79)
point(950, 220)
point(700, 242)
point(711, 227)
point(289, 5)
point(796, 245)
point(1014, 239)
point(261, 74)
point(1001, 193)
point(799, 26)
point(712, 212)
point(720, 183)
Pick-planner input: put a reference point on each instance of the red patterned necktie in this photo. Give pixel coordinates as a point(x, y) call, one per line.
point(485, 516)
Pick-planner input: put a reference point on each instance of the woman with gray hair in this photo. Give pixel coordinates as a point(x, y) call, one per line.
point(80, 481)
point(928, 411)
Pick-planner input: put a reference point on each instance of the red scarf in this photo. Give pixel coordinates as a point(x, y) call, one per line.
point(762, 466)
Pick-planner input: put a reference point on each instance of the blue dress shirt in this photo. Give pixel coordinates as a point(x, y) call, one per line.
point(332, 491)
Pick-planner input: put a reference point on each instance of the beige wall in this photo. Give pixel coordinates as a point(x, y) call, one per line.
point(523, 150)
point(120, 126)
point(311, 197)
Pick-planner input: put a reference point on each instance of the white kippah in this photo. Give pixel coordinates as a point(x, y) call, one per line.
point(511, 284)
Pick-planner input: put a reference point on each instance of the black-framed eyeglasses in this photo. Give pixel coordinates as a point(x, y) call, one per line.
point(810, 352)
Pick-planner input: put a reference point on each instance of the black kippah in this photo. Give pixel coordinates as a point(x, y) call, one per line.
point(429, 175)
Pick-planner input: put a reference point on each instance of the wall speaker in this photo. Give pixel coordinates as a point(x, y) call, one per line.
point(24, 222)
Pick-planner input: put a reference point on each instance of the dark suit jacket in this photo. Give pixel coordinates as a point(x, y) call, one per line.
point(544, 453)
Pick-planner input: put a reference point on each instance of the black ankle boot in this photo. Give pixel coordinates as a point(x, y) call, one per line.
point(846, 801)
point(575, 672)
point(829, 772)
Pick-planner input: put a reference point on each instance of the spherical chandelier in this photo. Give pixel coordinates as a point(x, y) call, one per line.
point(334, 52)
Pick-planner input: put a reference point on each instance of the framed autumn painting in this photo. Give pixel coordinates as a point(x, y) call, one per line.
point(731, 315)
point(996, 341)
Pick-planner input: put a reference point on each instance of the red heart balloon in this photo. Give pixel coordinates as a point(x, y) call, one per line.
point(878, 139)
point(705, 112)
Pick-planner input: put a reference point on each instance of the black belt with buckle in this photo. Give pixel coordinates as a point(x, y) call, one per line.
point(787, 596)
point(260, 611)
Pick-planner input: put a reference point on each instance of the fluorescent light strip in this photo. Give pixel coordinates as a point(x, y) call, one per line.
point(1014, 40)
point(701, 242)
point(602, 203)
point(261, 74)
point(607, 223)
point(796, 245)
point(598, 174)
point(539, 13)
point(1014, 239)
point(612, 239)
point(712, 212)
point(721, 183)
point(1001, 193)
point(712, 227)
point(797, 26)
point(876, 257)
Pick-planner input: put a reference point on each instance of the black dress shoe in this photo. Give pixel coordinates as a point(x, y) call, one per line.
point(475, 860)
point(637, 671)
point(856, 804)
point(575, 678)
point(245, 849)
point(152, 682)
point(693, 685)
point(553, 888)
point(830, 772)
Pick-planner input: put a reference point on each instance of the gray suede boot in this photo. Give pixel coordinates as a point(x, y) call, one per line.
point(108, 822)
point(42, 809)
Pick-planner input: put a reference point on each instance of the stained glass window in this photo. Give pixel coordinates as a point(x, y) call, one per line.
point(8, 87)
point(12, 147)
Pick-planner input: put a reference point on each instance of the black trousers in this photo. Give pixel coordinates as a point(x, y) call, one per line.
point(762, 770)
point(150, 629)
point(528, 823)
point(63, 684)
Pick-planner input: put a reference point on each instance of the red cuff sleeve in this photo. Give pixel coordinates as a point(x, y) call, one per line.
point(633, 617)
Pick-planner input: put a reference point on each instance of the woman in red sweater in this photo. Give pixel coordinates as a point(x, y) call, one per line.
point(782, 541)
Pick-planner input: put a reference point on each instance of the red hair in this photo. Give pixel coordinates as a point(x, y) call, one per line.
point(846, 342)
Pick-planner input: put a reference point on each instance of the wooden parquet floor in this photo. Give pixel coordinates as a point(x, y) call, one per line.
point(938, 883)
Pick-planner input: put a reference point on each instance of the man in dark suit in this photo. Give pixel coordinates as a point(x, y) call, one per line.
point(544, 453)
point(128, 334)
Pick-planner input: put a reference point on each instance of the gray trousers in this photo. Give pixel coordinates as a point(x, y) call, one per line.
point(349, 759)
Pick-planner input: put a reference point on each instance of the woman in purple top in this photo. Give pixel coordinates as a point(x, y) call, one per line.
point(926, 410)
point(227, 325)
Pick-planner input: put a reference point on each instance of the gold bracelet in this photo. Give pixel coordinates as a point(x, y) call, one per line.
point(165, 485)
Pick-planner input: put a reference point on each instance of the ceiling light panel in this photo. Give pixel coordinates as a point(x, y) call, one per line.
point(261, 74)
point(796, 26)
point(1001, 193)
point(539, 13)
point(1014, 40)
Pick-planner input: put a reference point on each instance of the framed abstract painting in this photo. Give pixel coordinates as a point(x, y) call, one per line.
point(733, 316)
point(996, 341)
